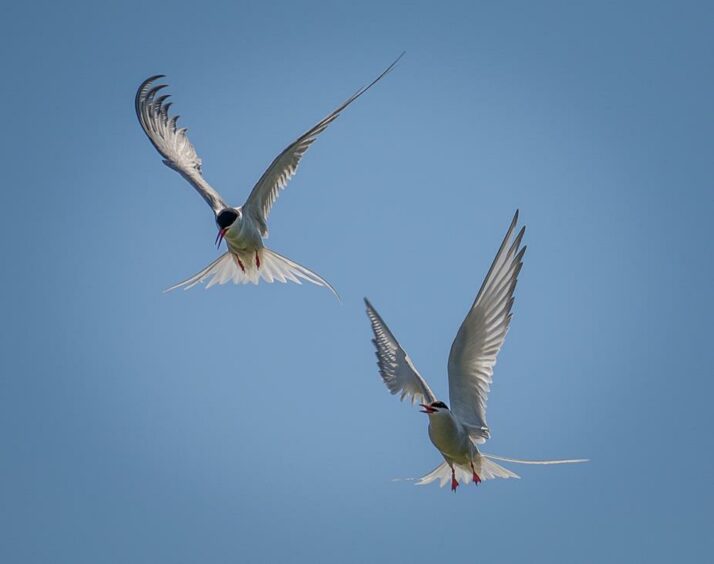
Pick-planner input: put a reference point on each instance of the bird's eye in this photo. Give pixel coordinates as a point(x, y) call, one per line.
point(439, 404)
point(226, 218)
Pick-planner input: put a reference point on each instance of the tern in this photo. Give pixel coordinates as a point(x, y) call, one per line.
point(243, 227)
point(456, 432)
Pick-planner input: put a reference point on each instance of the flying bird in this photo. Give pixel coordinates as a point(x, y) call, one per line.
point(456, 432)
point(243, 227)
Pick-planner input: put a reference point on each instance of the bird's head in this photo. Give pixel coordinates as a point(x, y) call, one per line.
point(434, 407)
point(224, 219)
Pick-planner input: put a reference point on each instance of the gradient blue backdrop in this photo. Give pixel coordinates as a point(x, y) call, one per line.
point(247, 424)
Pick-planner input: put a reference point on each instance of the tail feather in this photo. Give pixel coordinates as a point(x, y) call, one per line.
point(227, 268)
point(485, 468)
point(520, 461)
point(442, 473)
point(489, 469)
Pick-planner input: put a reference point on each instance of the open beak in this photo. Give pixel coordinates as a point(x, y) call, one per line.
point(427, 408)
point(219, 237)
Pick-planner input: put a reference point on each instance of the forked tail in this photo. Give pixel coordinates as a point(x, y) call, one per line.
point(254, 266)
point(485, 468)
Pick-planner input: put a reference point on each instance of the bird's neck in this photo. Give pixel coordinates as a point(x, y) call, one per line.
point(443, 422)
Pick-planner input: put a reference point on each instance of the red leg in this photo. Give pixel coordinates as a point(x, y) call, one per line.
point(257, 260)
point(454, 483)
point(240, 263)
point(477, 480)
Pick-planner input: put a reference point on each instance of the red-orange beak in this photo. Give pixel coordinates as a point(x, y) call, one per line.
point(219, 237)
point(427, 408)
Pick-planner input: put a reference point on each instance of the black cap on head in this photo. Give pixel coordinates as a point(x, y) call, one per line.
point(440, 404)
point(226, 218)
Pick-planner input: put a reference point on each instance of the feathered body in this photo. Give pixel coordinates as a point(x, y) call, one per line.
point(451, 438)
point(244, 234)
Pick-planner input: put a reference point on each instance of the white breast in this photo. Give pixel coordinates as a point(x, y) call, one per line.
point(450, 437)
point(244, 235)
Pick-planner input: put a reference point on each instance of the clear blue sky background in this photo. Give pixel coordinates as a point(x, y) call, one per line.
point(249, 424)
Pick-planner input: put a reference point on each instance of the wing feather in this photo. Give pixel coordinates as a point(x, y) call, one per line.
point(481, 335)
point(285, 165)
point(171, 141)
point(395, 366)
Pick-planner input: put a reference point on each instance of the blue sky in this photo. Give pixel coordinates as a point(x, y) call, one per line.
point(249, 424)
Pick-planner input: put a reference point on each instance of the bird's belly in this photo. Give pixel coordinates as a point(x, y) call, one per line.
point(450, 441)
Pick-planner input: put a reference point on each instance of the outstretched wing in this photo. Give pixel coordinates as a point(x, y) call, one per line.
point(395, 366)
point(285, 165)
point(474, 351)
point(171, 142)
